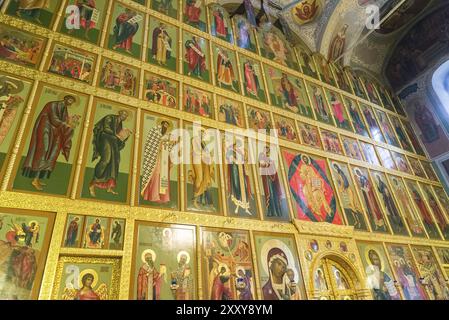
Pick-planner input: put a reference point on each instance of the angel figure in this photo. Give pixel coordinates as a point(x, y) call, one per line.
point(86, 291)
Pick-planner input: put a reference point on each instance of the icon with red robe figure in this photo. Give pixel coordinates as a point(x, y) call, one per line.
point(220, 23)
point(126, 27)
point(193, 12)
point(195, 59)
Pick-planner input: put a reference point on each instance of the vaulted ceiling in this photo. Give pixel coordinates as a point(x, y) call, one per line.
point(369, 50)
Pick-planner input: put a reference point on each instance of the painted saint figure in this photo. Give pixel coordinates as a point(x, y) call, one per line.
point(271, 184)
point(349, 197)
point(156, 167)
point(202, 174)
point(239, 186)
point(32, 8)
point(87, 9)
point(161, 44)
point(225, 70)
point(372, 206)
point(126, 27)
point(116, 234)
point(109, 140)
point(252, 83)
point(72, 233)
point(410, 213)
point(277, 287)
point(149, 279)
point(9, 103)
point(86, 292)
point(95, 235)
point(389, 203)
point(52, 136)
point(195, 58)
point(381, 284)
point(181, 278)
point(192, 12)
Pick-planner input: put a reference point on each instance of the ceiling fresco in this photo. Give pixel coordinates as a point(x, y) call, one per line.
point(337, 29)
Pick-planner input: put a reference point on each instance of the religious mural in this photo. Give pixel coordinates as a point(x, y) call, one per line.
point(225, 68)
point(433, 278)
point(287, 92)
point(85, 279)
point(311, 189)
point(369, 153)
point(24, 241)
point(109, 153)
point(167, 7)
point(220, 25)
point(160, 90)
point(253, 85)
point(273, 46)
point(198, 102)
point(259, 119)
point(324, 70)
point(196, 57)
point(331, 142)
point(409, 212)
point(230, 112)
point(356, 117)
point(406, 272)
point(241, 198)
point(194, 14)
point(49, 150)
point(346, 190)
point(42, 13)
point(367, 192)
point(163, 44)
point(380, 278)
point(159, 175)
point(164, 262)
point(14, 94)
point(352, 148)
point(84, 19)
point(389, 204)
point(202, 172)
point(20, 47)
point(227, 262)
point(120, 78)
point(280, 274)
point(126, 29)
point(339, 111)
point(244, 33)
point(319, 104)
point(286, 128)
point(426, 216)
point(310, 135)
point(72, 63)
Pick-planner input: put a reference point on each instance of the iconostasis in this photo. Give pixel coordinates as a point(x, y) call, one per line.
point(93, 206)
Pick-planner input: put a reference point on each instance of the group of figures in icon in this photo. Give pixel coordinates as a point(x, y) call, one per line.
point(165, 261)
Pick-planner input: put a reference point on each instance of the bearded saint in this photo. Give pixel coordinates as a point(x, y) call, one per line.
point(161, 49)
point(225, 71)
point(195, 58)
point(156, 165)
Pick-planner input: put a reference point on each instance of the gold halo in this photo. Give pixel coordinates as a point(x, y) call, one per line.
point(61, 96)
point(160, 120)
point(376, 250)
point(221, 265)
point(180, 253)
point(148, 251)
point(237, 269)
point(29, 223)
point(86, 271)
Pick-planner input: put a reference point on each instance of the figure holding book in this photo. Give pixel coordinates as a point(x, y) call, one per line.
point(109, 139)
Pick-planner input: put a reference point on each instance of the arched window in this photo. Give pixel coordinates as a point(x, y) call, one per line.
point(440, 83)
